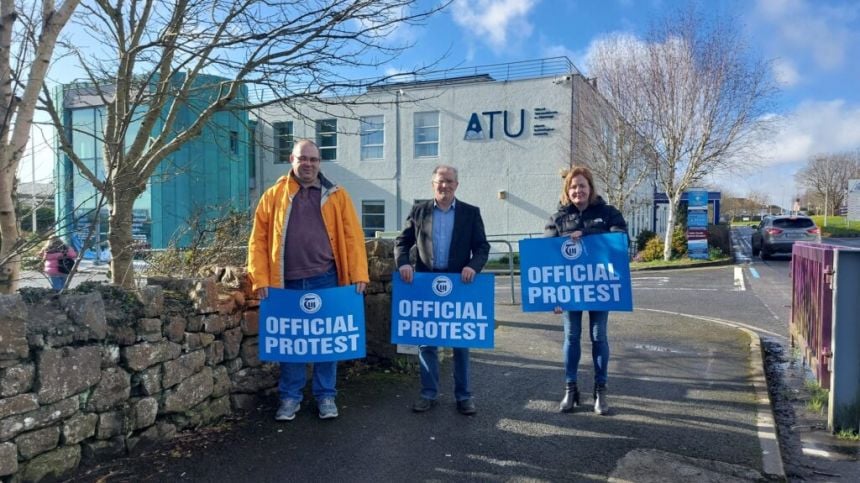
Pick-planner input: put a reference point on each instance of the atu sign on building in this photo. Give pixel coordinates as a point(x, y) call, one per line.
point(475, 128)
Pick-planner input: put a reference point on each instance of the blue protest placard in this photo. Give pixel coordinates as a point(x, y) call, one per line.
point(325, 324)
point(438, 309)
point(592, 273)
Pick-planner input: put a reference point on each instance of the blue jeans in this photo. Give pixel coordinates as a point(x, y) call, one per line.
point(293, 375)
point(58, 282)
point(429, 358)
point(599, 344)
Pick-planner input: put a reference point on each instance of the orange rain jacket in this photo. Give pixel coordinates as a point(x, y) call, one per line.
point(266, 245)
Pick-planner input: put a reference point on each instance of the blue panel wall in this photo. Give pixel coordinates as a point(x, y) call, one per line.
point(207, 177)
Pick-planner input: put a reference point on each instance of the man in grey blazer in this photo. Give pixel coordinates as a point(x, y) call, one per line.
point(449, 235)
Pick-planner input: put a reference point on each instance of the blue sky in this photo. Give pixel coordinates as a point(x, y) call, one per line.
point(813, 45)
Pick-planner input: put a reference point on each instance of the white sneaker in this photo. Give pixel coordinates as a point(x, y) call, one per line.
point(287, 410)
point(327, 408)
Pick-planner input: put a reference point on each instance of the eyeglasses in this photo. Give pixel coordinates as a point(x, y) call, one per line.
point(305, 159)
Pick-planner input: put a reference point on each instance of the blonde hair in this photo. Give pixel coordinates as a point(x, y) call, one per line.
point(54, 244)
point(568, 175)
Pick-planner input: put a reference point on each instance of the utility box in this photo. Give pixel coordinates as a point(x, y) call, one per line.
point(843, 411)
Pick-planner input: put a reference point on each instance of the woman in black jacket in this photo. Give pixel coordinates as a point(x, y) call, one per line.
point(581, 213)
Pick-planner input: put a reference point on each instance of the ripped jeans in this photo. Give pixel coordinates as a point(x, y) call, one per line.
point(599, 344)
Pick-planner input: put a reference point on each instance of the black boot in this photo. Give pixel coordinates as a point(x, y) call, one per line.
point(571, 398)
point(601, 404)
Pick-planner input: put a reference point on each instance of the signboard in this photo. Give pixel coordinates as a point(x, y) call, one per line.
point(854, 199)
point(485, 126)
point(319, 325)
point(438, 309)
point(592, 273)
point(697, 223)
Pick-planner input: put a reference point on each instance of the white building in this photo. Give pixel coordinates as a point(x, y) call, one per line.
point(509, 129)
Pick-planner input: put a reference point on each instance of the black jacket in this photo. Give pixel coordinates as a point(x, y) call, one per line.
point(468, 241)
point(598, 217)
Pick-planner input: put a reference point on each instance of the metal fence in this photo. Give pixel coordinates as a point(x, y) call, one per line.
point(812, 306)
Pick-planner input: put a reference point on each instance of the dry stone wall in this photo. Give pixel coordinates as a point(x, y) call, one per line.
point(100, 372)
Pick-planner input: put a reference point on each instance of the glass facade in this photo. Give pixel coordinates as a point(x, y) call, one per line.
point(85, 214)
point(207, 177)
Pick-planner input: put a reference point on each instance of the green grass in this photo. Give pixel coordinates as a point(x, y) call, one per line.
point(837, 227)
point(818, 397)
point(848, 435)
point(673, 263)
point(744, 223)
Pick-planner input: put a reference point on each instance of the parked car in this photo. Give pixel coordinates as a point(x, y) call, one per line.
point(777, 234)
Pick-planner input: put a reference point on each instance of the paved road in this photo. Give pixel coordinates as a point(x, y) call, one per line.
point(680, 388)
point(676, 388)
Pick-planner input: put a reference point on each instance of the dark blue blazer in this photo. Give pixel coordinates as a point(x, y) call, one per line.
point(469, 245)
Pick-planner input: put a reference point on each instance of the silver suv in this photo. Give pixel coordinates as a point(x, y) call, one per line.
point(777, 234)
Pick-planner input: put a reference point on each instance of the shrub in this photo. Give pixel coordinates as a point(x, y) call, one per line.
point(679, 242)
point(644, 237)
point(504, 259)
point(718, 237)
point(714, 253)
point(653, 250)
point(204, 242)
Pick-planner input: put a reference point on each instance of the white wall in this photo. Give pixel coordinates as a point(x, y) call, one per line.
point(525, 167)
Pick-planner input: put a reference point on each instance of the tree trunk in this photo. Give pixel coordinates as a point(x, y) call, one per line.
point(670, 229)
point(9, 271)
point(120, 239)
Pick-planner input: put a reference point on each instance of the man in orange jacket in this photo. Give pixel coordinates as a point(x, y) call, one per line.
point(306, 236)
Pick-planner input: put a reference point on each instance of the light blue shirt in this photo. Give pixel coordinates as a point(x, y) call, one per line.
point(443, 230)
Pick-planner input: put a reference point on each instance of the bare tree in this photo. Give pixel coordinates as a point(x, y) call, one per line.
point(698, 97)
point(148, 58)
point(826, 176)
point(617, 154)
point(28, 35)
point(734, 206)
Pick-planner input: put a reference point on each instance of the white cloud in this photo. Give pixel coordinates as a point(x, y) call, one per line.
point(617, 45)
point(785, 73)
point(814, 127)
point(824, 33)
point(561, 51)
point(494, 22)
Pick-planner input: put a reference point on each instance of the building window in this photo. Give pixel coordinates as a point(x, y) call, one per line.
point(252, 149)
point(372, 137)
point(372, 217)
point(234, 142)
point(283, 141)
point(327, 139)
point(426, 134)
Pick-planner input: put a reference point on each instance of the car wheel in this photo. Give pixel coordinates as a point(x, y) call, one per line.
point(755, 251)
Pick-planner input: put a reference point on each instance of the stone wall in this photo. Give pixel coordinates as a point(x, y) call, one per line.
point(100, 372)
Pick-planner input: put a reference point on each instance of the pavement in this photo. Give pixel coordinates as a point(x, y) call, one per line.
point(688, 397)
